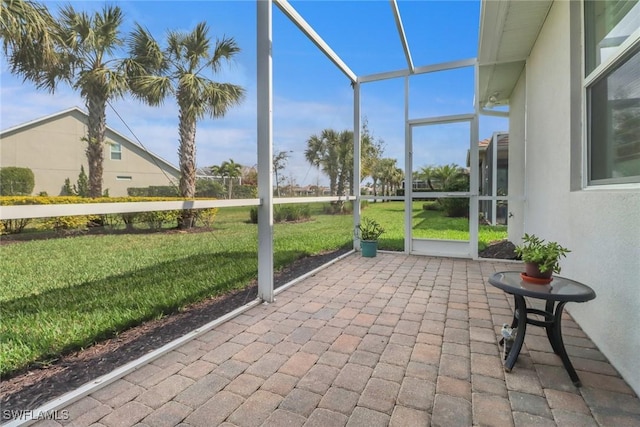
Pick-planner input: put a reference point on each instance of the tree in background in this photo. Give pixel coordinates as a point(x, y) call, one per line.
point(332, 152)
point(371, 150)
point(279, 163)
point(449, 178)
point(250, 176)
point(82, 189)
point(233, 171)
point(77, 48)
point(209, 188)
point(322, 153)
point(16, 181)
point(179, 70)
point(227, 169)
point(389, 175)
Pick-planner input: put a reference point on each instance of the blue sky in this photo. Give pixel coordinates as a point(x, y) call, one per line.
point(310, 93)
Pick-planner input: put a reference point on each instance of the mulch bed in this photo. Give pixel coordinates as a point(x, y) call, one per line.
point(37, 385)
point(502, 249)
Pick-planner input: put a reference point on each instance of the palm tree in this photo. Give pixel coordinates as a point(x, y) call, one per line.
point(450, 176)
point(178, 70)
point(427, 173)
point(28, 36)
point(322, 153)
point(218, 171)
point(389, 174)
point(84, 45)
point(232, 170)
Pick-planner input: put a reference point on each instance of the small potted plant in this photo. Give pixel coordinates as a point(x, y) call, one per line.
point(368, 231)
point(541, 258)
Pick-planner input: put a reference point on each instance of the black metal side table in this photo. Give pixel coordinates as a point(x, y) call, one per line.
point(556, 294)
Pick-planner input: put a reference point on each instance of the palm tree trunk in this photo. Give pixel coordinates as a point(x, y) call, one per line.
point(95, 142)
point(187, 154)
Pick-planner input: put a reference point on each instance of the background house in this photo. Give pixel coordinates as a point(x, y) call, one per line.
point(52, 147)
point(570, 73)
point(497, 146)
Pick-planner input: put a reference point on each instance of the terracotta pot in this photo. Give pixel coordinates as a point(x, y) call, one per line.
point(532, 270)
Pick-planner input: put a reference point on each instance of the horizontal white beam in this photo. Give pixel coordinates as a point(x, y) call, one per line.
point(304, 26)
point(442, 119)
point(443, 66)
point(383, 76)
point(494, 113)
point(441, 195)
point(292, 200)
point(501, 62)
point(45, 211)
point(452, 65)
point(383, 198)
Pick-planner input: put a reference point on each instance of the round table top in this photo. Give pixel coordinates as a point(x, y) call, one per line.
point(560, 288)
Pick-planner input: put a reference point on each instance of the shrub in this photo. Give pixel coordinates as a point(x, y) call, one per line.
point(82, 189)
point(153, 191)
point(153, 219)
point(338, 207)
point(210, 188)
point(245, 192)
point(67, 189)
point(206, 217)
point(431, 206)
point(456, 207)
point(13, 226)
point(290, 213)
point(156, 219)
point(129, 219)
point(66, 224)
point(284, 213)
point(112, 221)
point(16, 181)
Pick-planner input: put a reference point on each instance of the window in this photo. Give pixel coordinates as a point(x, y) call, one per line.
point(123, 178)
point(116, 151)
point(612, 68)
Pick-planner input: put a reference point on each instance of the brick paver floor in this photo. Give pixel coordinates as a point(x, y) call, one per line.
point(393, 340)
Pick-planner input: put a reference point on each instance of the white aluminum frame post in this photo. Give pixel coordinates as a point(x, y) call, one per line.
point(265, 150)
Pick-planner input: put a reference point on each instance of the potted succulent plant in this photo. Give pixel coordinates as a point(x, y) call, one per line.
point(368, 231)
point(541, 258)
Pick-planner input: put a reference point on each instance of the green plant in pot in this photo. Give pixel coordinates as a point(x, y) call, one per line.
point(368, 231)
point(541, 258)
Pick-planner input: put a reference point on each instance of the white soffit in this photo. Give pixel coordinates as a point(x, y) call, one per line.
point(508, 31)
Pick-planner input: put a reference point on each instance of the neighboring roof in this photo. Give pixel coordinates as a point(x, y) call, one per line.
point(508, 31)
point(503, 140)
point(68, 111)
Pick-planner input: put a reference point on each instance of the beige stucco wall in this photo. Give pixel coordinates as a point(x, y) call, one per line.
point(53, 149)
point(517, 145)
point(600, 225)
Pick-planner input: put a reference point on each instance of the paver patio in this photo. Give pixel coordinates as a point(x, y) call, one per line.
point(394, 340)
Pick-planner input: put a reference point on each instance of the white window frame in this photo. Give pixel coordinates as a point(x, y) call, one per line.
point(601, 71)
point(112, 150)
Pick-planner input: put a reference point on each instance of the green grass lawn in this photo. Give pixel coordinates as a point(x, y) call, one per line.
point(64, 294)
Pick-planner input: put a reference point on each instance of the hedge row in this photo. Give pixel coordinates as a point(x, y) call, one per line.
point(153, 220)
